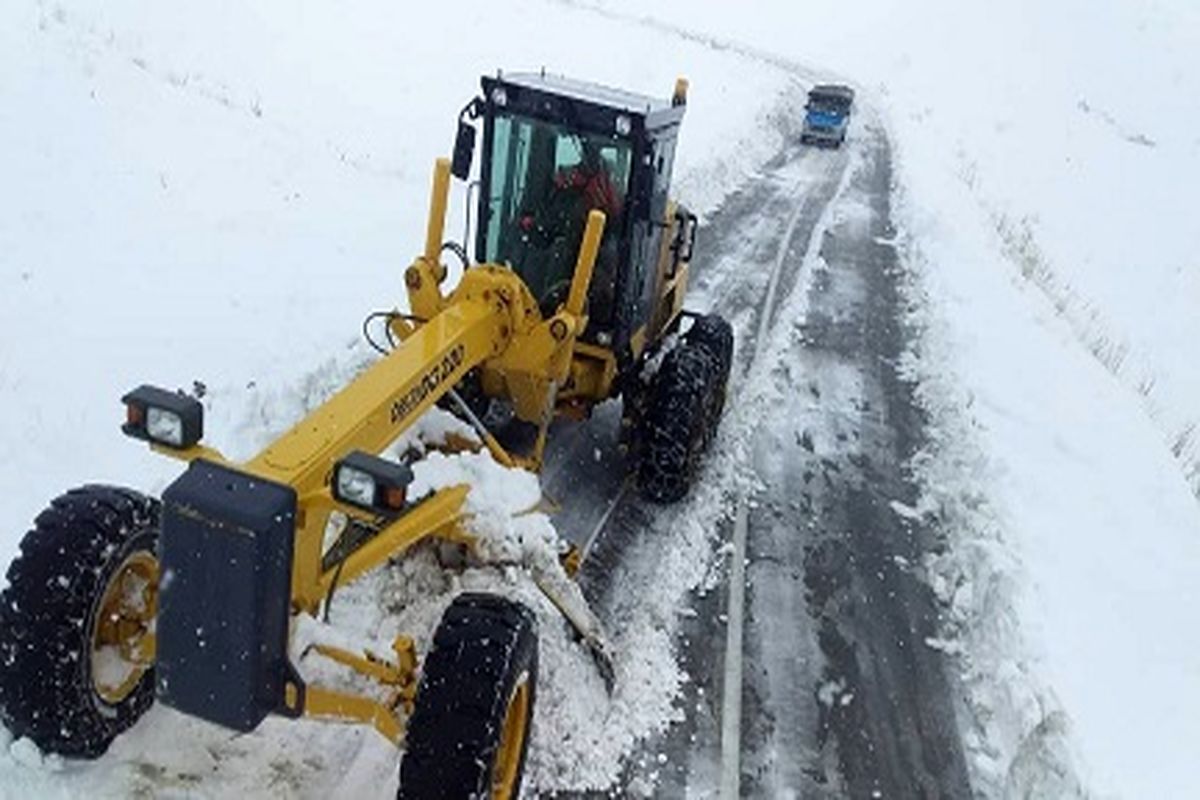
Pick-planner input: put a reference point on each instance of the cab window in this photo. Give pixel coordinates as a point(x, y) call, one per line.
point(544, 180)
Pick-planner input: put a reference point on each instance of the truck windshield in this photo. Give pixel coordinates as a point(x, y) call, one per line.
point(544, 180)
point(827, 105)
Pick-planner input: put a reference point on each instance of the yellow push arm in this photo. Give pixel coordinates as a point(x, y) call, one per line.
point(375, 408)
point(426, 273)
point(368, 415)
point(585, 264)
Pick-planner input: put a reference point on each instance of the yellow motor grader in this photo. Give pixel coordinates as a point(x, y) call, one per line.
point(574, 293)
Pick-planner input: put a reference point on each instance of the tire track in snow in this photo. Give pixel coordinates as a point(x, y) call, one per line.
point(731, 705)
point(829, 538)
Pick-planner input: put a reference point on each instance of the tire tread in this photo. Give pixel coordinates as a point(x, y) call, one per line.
point(483, 644)
point(45, 616)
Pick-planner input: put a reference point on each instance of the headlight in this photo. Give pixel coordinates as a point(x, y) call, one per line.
point(168, 418)
point(624, 125)
point(499, 97)
point(164, 426)
point(355, 486)
point(370, 482)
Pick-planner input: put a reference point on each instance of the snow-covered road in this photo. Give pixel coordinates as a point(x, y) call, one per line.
point(834, 518)
point(749, 265)
point(839, 690)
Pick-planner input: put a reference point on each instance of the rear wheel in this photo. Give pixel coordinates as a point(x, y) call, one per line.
point(684, 406)
point(715, 335)
point(469, 731)
point(76, 622)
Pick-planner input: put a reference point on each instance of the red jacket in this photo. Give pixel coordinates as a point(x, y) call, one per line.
point(595, 186)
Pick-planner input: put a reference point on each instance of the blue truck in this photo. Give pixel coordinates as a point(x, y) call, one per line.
point(828, 115)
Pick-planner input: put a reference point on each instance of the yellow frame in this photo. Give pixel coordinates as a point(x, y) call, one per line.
point(489, 321)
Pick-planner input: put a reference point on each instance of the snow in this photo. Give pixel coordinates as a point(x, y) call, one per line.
point(1072, 129)
point(1078, 537)
point(1049, 167)
point(220, 194)
point(110, 668)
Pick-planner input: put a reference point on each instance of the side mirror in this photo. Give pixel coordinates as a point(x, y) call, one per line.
point(464, 150)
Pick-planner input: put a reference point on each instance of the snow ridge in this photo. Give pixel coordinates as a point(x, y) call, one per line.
point(1016, 734)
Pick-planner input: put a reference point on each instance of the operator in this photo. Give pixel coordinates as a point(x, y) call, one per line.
point(576, 191)
point(590, 179)
point(558, 225)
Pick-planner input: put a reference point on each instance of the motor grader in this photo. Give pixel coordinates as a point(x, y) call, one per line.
point(574, 296)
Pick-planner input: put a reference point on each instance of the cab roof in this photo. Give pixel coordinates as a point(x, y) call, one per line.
point(590, 92)
point(656, 112)
point(832, 90)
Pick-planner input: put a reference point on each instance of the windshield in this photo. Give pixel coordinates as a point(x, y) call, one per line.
point(544, 180)
point(827, 105)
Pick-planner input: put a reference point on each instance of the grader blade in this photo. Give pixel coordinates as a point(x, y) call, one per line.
point(566, 596)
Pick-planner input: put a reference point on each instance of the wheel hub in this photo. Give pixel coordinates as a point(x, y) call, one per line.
point(512, 742)
point(123, 642)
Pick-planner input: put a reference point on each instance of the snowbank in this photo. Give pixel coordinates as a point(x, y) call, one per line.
point(1074, 540)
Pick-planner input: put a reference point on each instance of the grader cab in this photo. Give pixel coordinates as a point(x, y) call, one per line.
point(578, 280)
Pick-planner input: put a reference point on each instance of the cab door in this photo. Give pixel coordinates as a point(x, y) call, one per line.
point(652, 231)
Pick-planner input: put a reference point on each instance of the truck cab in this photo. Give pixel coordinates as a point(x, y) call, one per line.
point(827, 115)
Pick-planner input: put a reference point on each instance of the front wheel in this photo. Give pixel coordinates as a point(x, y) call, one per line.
point(469, 730)
point(77, 622)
